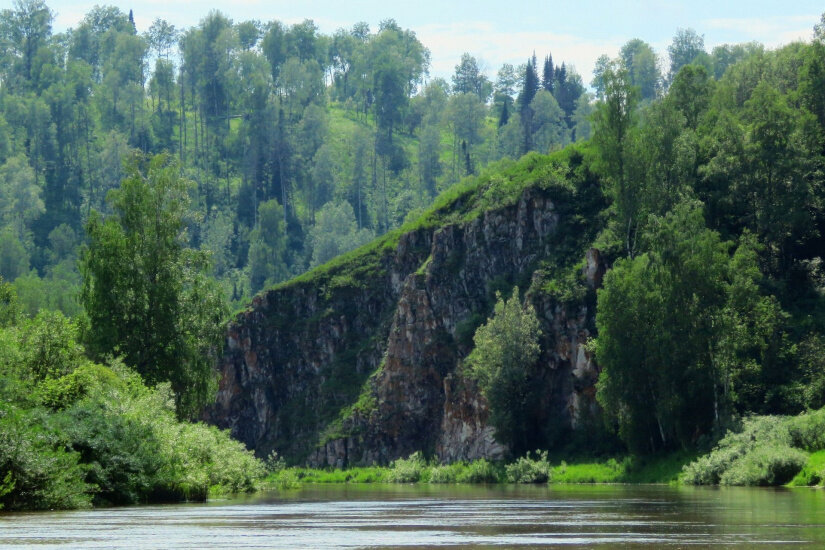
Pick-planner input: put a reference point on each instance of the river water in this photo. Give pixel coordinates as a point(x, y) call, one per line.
point(429, 516)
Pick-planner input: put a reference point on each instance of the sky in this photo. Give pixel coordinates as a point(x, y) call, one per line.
point(502, 31)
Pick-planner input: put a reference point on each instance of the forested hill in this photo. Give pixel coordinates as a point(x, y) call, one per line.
point(158, 175)
point(300, 145)
point(702, 207)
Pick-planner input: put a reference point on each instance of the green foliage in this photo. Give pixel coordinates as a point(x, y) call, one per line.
point(639, 58)
point(145, 293)
point(444, 473)
point(14, 259)
point(370, 474)
point(9, 306)
point(531, 469)
point(527, 469)
point(301, 146)
point(267, 249)
point(813, 473)
point(110, 440)
point(610, 471)
point(286, 479)
point(675, 327)
point(480, 471)
point(336, 232)
point(765, 466)
point(407, 470)
point(686, 47)
point(614, 119)
point(807, 430)
point(503, 362)
point(75, 433)
point(86, 380)
point(766, 450)
point(49, 346)
point(36, 473)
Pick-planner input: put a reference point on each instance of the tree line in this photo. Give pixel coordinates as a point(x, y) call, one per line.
point(712, 307)
point(301, 145)
point(217, 160)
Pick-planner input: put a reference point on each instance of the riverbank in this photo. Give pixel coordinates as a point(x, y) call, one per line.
point(758, 451)
point(535, 468)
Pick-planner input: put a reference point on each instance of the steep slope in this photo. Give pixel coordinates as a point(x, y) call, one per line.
point(359, 360)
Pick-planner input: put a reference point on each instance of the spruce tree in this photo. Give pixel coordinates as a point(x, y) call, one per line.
point(547, 81)
point(505, 114)
point(528, 92)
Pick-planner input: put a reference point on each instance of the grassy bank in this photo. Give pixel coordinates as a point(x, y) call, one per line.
point(535, 468)
point(758, 451)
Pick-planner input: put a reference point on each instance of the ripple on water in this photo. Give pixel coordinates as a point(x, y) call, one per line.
point(423, 517)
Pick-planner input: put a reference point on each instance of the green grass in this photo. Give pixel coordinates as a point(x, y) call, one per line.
point(659, 469)
point(813, 473)
point(611, 471)
point(368, 474)
point(654, 469)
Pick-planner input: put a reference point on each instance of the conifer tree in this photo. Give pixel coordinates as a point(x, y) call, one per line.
point(528, 92)
point(547, 81)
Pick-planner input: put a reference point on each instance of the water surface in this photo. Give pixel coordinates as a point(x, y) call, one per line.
point(429, 516)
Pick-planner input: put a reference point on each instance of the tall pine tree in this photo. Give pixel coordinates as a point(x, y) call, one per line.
point(547, 80)
point(528, 92)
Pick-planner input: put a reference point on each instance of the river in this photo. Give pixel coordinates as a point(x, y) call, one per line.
point(429, 516)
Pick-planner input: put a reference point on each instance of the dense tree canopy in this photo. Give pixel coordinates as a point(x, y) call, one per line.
point(254, 112)
point(146, 293)
point(503, 362)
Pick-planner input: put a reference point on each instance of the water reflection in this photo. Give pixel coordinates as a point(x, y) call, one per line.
point(365, 516)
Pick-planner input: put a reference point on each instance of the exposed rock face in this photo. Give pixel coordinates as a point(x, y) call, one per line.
point(410, 323)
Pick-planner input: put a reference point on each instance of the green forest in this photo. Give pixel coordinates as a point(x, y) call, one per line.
point(151, 183)
point(298, 146)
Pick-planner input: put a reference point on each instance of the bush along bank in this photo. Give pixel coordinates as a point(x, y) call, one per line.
point(75, 434)
point(766, 451)
point(533, 468)
point(757, 451)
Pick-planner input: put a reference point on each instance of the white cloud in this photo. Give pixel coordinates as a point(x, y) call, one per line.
point(493, 47)
point(771, 31)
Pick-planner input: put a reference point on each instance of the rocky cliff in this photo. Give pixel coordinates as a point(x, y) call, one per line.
point(360, 360)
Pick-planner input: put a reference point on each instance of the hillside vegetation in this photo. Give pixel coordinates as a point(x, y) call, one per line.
point(298, 145)
point(149, 181)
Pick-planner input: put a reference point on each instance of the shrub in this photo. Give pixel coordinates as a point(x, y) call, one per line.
point(767, 450)
point(709, 469)
point(765, 465)
point(407, 470)
point(287, 479)
point(807, 431)
point(86, 380)
point(49, 345)
point(445, 473)
point(34, 473)
point(120, 454)
point(529, 470)
point(274, 463)
point(479, 471)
